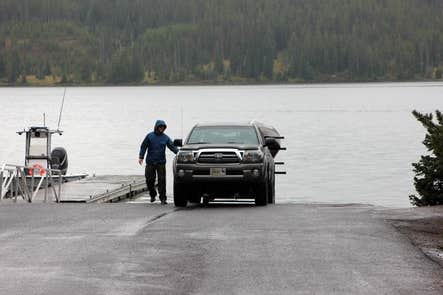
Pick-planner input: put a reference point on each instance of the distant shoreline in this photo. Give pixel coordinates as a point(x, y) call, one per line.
point(215, 83)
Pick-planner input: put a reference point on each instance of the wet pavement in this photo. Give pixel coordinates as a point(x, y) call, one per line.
point(220, 249)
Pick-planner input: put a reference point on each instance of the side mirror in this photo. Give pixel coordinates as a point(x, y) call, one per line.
point(178, 142)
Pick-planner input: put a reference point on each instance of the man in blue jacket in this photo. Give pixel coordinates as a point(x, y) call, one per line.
point(156, 142)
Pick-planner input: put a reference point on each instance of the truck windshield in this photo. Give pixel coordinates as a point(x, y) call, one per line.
point(223, 135)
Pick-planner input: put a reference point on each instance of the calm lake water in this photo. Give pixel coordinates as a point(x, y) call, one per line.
point(347, 143)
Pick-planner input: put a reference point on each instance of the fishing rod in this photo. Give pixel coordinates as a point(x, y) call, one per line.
point(61, 110)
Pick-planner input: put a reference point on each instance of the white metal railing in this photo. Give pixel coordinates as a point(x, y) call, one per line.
point(26, 182)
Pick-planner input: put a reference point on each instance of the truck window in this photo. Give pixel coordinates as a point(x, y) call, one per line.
point(223, 135)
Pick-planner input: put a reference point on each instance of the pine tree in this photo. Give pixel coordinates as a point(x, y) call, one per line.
point(308, 72)
point(137, 71)
point(47, 69)
point(2, 67)
point(64, 79)
point(13, 68)
point(23, 79)
point(429, 170)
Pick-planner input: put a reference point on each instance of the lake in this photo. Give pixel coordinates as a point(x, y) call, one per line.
point(346, 143)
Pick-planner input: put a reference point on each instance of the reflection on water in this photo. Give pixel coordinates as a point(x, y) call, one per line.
point(346, 143)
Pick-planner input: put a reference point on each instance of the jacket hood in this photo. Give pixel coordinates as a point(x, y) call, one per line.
point(159, 123)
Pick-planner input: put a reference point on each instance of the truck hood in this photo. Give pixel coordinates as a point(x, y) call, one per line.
point(219, 146)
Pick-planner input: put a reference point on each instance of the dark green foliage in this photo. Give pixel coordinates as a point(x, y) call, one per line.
point(64, 79)
point(46, 71)
point(126, 68)
point(13, 67)
point(85, 71)
point(2, 67)
point(429, 170)
point(177, 40)
point(308, 72)
point(23, 80)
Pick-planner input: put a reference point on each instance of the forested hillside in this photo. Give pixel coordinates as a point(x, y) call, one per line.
point(169, 41)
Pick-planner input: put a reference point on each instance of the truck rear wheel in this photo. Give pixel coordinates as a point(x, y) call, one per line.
point(181, 193)
point(261, 194)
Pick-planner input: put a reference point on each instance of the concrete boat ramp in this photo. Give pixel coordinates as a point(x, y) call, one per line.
point(144, 248)
point(122, 248)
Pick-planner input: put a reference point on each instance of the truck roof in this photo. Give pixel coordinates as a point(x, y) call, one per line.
point(251, 123)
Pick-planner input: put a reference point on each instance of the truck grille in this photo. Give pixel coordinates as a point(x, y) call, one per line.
point(218, 157)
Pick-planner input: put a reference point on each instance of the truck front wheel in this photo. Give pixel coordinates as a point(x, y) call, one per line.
point(181, 193)
point(261, 194)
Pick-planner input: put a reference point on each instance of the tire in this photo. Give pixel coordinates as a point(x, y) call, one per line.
point(261, 194)
point(271, 191)
point(181, 193)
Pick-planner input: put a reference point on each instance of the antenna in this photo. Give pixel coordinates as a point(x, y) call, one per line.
point(44, 119)
point(61, 110)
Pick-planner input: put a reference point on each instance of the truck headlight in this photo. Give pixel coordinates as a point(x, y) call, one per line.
point(185, 157)
point(255, 156)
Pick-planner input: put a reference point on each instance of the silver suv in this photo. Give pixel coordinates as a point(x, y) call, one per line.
point(226, 161)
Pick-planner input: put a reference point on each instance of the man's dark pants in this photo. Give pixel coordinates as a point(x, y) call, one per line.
point(150, 171)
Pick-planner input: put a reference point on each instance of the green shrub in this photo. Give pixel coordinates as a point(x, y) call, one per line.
point(428, 171)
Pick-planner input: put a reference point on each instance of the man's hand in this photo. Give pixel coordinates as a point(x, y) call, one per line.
point(140, 161)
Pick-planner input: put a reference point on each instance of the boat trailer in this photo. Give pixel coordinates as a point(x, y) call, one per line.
point(25, 181)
